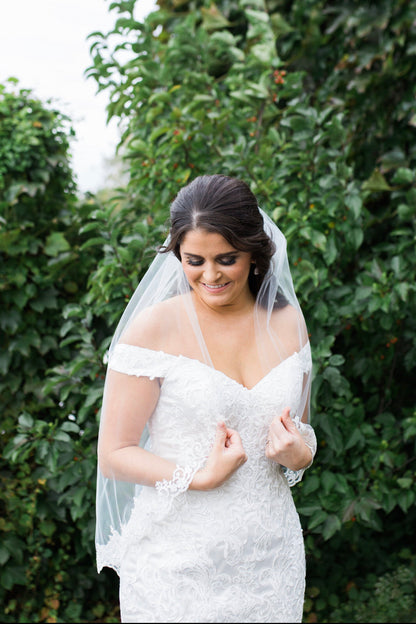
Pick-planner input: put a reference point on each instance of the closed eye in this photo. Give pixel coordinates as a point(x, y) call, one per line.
point(224, 260)
point(193, 262)
point(228, 260)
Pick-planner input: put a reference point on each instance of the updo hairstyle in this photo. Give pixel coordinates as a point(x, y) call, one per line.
point(223, 205)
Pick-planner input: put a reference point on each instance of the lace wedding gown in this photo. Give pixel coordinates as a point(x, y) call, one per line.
point(232, 554)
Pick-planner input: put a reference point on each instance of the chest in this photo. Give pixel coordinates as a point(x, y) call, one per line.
point(194, 397)
point(233, 351)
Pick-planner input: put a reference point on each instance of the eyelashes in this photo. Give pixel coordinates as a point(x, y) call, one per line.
point(228, 261)
point(223, 261)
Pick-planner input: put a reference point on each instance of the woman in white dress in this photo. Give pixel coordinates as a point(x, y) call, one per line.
point(205, 422)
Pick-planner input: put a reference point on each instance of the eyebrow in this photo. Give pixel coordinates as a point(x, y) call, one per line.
point(223, 255)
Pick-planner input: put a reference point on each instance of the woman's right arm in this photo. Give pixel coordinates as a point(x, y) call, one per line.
point(129, 403)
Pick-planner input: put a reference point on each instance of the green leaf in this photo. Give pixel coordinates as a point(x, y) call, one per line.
point(5, 359)
point(13, 575)
point(4, 555)
point(25, 421)
point(47, 527)
point(279, 24)
point(309, 510)
point(332, 432)
point(328, 480)
point(92, 242)
point(318, 518)
point(264, 52)
point(354, 203)
point(404, 176)
point(79, 495)
point(62, 436)
point(317, 238)
point(331, 526)
point(213, 19)
point(406, 500)
point(355, 438)
point(55, 244)
point(333, 375)
point(405, 482)
point(356, 237)
point(376, 183)
point(70, 427)
point(311, 484)
point(336, 360)
point(403, 290)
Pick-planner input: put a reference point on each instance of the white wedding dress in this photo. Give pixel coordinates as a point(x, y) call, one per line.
point(232, 554)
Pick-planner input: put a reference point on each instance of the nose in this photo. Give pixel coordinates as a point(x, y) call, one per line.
point(211, 272)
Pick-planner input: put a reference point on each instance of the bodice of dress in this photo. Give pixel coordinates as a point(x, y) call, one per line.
point(194, 397)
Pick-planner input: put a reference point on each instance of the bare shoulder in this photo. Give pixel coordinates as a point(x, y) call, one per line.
point(287, 314)
point(153, 326)
point(288, 322)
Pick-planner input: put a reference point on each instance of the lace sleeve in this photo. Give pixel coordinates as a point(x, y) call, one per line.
point(138, 361)
point(181, 479)
point(309, 437)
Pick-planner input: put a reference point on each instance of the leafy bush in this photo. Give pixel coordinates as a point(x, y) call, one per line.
point(47, 467)
point(389, 598)
point(311, 102)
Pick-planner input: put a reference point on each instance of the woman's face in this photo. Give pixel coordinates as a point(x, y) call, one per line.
point(216, 271)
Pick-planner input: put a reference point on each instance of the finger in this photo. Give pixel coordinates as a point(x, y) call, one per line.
point(280, 419)
point(287, 420)
point(233, 435)
point(277, 427)
point(235, 444)
point(221, 433)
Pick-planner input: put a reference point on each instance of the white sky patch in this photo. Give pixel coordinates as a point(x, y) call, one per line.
point(43, 43)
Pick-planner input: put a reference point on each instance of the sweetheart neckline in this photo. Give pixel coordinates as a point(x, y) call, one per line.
point(216, 370)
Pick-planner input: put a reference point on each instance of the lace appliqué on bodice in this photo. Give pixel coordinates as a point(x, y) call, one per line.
point(232, 554)
point(145, 362)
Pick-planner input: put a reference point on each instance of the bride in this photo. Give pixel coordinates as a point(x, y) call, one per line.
point(205, 422)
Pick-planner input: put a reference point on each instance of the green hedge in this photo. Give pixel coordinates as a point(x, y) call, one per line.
point(312, 104)
point(47, 466)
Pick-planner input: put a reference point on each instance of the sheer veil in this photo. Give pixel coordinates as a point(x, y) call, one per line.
point(276, 310)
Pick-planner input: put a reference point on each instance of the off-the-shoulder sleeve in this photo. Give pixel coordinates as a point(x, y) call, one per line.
point(138, 361)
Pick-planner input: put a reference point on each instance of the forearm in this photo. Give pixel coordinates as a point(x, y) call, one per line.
point(136, 465)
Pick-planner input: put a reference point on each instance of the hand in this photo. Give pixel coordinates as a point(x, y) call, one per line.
point(285, 444)
point(227, 455)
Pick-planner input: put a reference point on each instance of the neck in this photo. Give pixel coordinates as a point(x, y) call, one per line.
point(233, 310)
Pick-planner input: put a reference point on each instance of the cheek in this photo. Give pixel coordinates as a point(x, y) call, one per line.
point(190, 272)
point(240, 273)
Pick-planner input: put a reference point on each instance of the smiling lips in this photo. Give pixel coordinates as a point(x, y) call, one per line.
point(216, 287)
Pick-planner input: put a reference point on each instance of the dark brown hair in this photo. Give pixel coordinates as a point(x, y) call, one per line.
point(225, 205)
